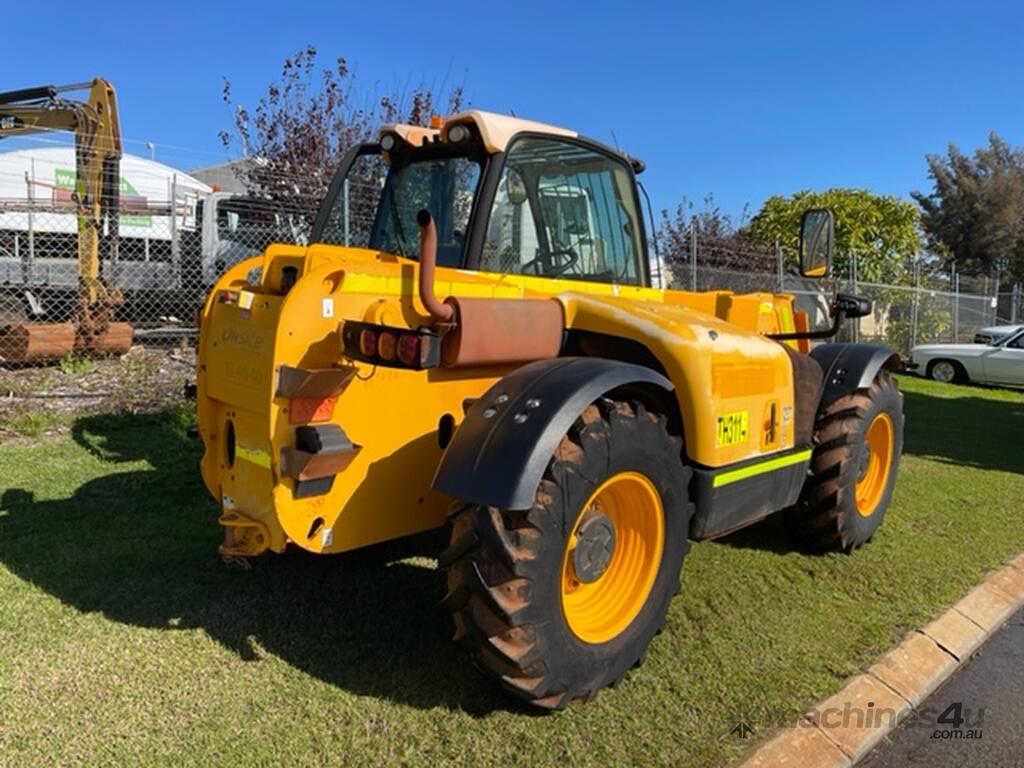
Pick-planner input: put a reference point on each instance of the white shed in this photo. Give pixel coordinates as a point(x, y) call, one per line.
point(42, 179)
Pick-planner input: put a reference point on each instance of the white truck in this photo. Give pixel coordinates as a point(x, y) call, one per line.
point(176, 236)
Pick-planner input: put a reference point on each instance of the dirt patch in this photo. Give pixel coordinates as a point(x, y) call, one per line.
point(47, 399)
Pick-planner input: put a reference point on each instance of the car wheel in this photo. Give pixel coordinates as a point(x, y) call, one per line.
point(947, 371)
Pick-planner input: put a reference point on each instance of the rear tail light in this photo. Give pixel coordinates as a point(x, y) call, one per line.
point(393, 347)
point(368, 343)
point(409, 349)
point(387, 346)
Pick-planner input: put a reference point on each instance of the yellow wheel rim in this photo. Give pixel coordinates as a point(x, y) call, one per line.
point(603, 608)
point(871, 486)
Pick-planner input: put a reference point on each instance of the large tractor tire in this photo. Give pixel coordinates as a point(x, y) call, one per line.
point(561, 600)
point(859, 440)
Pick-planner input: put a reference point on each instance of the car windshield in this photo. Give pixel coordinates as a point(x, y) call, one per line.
point(999, 338)
point(376, 205)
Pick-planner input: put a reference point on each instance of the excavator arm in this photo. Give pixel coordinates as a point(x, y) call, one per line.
point(96, 127)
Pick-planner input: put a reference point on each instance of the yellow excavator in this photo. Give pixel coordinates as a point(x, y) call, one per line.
point(97, 131)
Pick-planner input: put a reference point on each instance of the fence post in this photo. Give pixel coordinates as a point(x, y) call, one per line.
point(175, 244)
point(693, 254)
point(31, 180)
point(956, 307)
point(779, 266)
point(915, 307)
point(344, 192)
point(854, 277)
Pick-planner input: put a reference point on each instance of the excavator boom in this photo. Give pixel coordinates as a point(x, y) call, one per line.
point(96, 126)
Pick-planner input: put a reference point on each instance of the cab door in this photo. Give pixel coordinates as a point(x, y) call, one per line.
point(1005, 363)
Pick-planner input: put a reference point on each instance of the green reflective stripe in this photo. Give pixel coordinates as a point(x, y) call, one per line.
point(756, 469)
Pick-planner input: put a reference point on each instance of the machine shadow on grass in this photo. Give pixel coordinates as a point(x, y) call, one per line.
point(139, 546)
point(965, 431)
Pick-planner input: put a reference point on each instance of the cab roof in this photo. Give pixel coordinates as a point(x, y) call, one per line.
point(495, 130)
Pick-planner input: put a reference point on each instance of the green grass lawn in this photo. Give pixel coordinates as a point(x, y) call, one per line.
point(125, 640)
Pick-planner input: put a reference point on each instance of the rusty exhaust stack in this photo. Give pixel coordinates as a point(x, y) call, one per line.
point(483, 332)
point(441, 312)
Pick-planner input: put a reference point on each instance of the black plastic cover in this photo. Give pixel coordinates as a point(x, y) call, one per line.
point(500, 450)
point(849, 367)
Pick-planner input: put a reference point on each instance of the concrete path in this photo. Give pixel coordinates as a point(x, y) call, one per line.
point(988, 694)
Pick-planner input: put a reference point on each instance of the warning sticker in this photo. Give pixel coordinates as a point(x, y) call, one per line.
point(733, 428)
point(253, 455)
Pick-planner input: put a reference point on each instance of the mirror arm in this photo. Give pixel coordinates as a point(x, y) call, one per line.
point(843, 307)
point(828, 333)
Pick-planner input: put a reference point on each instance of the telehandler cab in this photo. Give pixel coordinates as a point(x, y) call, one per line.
point(473, 338)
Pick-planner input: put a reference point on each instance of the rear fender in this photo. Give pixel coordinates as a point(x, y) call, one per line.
point(498, 454)
point(850, 367)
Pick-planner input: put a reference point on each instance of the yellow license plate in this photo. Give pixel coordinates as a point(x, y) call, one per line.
point(733, 428)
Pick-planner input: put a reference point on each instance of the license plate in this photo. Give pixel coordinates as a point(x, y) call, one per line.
point(733, 428)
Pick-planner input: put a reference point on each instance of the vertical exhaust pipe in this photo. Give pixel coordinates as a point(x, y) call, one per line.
point(481, 332)
point(441, 312)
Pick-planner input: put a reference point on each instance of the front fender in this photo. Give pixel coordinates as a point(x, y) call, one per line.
point(498, 454)
point(849, 367)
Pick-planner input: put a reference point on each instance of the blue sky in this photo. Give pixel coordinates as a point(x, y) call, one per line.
point(742, 100)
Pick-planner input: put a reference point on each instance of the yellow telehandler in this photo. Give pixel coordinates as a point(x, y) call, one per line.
point(473, 339)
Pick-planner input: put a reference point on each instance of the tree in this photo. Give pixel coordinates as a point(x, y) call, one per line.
point(301, 128)
point(975, 211)
point(880, 229)
point(722, 243)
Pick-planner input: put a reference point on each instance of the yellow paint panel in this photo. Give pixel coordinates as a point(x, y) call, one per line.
point(739, 379)
point(689, 345)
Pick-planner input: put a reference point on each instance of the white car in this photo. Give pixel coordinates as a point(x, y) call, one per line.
point(998, 362)
point(994, 333)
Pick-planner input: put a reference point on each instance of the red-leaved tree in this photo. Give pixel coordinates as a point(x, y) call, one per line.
point(299, 130)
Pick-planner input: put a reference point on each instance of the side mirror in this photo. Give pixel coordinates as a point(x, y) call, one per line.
point(817, 237)
point(853, 307)
point(515, 187)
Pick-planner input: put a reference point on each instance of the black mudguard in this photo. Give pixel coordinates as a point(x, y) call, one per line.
point(498, 454)
point(849, 367)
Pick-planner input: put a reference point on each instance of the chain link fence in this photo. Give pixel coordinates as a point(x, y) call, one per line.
point(934, 308)
point(170, 241)
point(169, 246)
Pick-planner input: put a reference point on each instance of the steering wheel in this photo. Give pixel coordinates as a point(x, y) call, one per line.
point(550, 263)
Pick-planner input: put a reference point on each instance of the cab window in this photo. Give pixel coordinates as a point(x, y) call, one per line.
point(564, 210)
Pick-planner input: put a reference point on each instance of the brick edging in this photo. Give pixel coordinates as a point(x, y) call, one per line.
point(901, 679)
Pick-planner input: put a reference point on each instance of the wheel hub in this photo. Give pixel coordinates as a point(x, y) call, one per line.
point(944, 372)
point(864, 461)
point(873, 477)
point(595, 545)
point(612, 557)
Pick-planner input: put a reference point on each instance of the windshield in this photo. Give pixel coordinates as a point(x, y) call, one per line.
point(445, 186)
point(559, 208)
point(254, 222)
point(564, 210)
